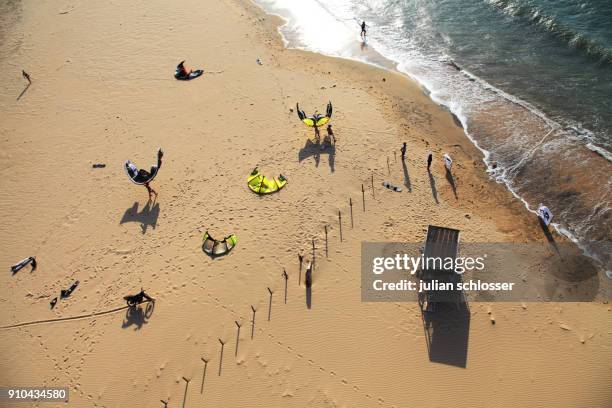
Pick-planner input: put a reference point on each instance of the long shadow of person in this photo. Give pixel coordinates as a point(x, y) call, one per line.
point(451, 181)
point(432, 184)
point(406, 176)
point(549, 235)
point(146, 217)
point(315, 149)
point(138, 316)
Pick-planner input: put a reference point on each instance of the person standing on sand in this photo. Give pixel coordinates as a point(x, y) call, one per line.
point(403, 150)
point(429, 160)
point(363, 30)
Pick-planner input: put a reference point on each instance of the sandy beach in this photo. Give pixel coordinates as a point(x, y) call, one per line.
point(103, 92)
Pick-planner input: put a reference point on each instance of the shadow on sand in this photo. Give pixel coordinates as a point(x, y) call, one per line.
point(138, 316)
point(432, 184)
point(24, 91)
point(406, 176)
point(316, 149)
point(447, 331)
point(451, 181)
point(147, 217)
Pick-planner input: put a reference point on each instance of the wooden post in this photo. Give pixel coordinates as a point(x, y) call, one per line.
point(286, 278)
point(313, 251)
point(373, 186)
point(351, 205)
point(363, 197)
point(326, 248)
point(186, 386)
point(340, 223)
point(253, 323)
point(270, 305)
point(237, 336)
point(203, 373)
point(301, 258)
point(221, 359)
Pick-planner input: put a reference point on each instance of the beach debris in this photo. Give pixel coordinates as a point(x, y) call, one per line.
point(565, 326)
point(392, 187)
point(98, 165)
point(64, 293)
point(134, 300)
point(23, 263)
point(259, 61)
point(214, 247)
point(453, 64)
point(53, 302)
point(544, 213)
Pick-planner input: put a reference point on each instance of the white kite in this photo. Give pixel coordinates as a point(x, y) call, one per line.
point(448, 162)
point(545, 214)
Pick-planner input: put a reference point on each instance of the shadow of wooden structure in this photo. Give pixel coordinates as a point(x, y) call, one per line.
point(444, 311)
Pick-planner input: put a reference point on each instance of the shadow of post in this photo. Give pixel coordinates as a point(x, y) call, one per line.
point(24, 91)
point(147, 217)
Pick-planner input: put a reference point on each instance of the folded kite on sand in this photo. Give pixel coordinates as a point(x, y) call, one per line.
point(182, 74)
point(214, 247)
point(261, 184)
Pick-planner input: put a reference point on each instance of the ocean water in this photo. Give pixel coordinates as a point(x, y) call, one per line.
point(533, 92)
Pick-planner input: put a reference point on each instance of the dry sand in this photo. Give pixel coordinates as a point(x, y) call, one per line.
point(103, 92)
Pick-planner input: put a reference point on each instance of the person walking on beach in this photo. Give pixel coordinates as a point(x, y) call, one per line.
point(363, 30)
point(403, 150)
point(429, 160)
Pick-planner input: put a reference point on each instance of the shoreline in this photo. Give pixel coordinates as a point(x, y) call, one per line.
point(377, 60)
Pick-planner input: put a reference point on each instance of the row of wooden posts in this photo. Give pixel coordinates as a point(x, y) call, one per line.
point(271, 292)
